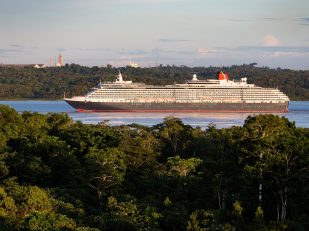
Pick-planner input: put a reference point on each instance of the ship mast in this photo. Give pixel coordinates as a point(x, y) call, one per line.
point(119, 79)
point(194, 78)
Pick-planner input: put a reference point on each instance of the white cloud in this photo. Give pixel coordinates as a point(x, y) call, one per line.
point(271, 41)
point(288, 54)
point(202, 51)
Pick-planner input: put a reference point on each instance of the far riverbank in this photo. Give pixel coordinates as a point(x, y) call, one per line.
point(299, 113)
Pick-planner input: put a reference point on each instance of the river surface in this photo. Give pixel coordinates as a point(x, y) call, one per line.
point(298, 112)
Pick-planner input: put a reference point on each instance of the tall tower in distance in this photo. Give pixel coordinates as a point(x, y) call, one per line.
point(60, 61)
point(51, 63)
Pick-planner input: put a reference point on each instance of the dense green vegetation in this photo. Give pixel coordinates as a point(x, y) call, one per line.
point(51, 83)
point(56, 174)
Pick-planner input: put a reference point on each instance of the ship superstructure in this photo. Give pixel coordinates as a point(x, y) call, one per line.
point(219, 94)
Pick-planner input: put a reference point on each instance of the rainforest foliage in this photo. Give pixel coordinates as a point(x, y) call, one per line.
point(56, 174)
point(73, 79)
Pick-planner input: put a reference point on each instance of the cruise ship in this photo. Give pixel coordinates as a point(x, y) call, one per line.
point(212, 95)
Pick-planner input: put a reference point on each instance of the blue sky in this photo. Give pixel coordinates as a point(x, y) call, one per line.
point(273, 33)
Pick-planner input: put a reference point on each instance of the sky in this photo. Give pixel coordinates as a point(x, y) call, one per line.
point(272, 33)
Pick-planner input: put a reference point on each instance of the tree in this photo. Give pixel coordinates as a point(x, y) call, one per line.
point(275, 151)
point(201, 220)
point(10, 122)
point(221, 161)
point(182, 167)
point(174, 135)
point(7, 204)
point(129, 215)
point(106, 168)
point(139, 145)
point(48, 221)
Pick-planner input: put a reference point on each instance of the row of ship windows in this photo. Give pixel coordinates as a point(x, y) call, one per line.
point(198, 98)
point(198, 95)
point(188, 95)
point(188, 92)
point(117, 91)
point(187, 89)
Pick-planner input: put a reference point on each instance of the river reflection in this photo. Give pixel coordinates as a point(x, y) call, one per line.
point(149, 119)
point(299, 112)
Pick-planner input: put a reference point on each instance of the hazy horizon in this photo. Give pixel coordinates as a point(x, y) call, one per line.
point(193, 33)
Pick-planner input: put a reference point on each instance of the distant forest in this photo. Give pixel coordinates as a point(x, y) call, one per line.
point(73, 79)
